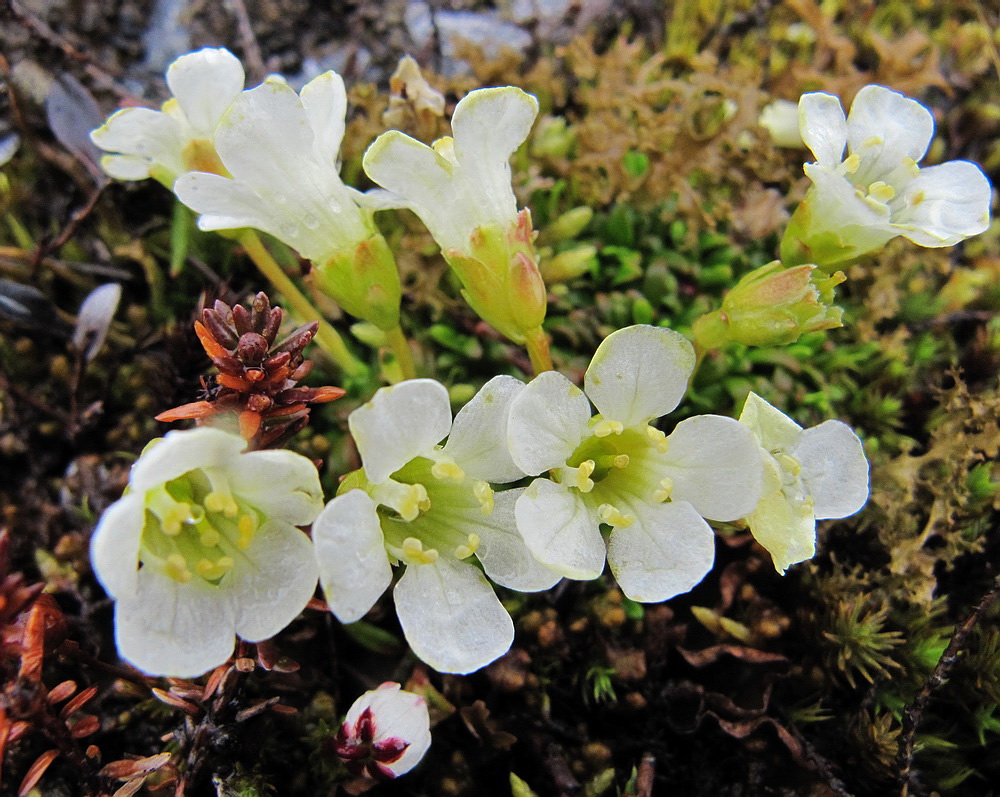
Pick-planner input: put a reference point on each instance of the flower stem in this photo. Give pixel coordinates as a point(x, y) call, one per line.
point(401, 348)
point(327, 337)
point(537, 344)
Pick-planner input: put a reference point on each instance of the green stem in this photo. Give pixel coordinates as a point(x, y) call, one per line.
point(537, 344)
point(327, 337)
point(401, 348)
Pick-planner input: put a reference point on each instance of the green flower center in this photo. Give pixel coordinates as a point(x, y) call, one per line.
point(195, 527)
point(427, 509)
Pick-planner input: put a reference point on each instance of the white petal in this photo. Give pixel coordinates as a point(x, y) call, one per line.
point(489, 125)
point(944, 204)
point(180, 630)
point(224, 204)
point(126, 167)
point(451, 617)
point(181, 451)
point(884, 128)
point(775, 430)
point(503, 553)
point(274, 582)
point(787, 529)
point(548, 420)
point(639, 373)
point(325, 101)
point(205, 83)
point(834, 469)
point(423, 178)
point(94, 318)
point(665, 552)
point(114, 547)
point(281, 484)
point(354, 569)
point(856, 222)
point(478, 439)
point(143, 133)
point(401, 422)
point(781, 120)
point(823, 127)
point(559, 530)
point(716, 466)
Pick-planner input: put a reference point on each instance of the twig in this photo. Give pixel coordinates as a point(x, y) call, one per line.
point(912, 713)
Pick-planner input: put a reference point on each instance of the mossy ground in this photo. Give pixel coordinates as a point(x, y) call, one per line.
point(753, 684)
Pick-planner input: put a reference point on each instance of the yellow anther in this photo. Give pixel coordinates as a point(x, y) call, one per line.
point(177, 568)
point(881, 191)
point(852, 163)
point(583, 481)
point(613, 517)
point(212, 571)
point(620, 461)
point(414, 500)
point(789, 464)
point(414, 552)
point(465, 551)
point(917, 197)
point(665, 489)
point(873, 141)
point(658, 438)
point(605, 428)
point(209, 537)
point(221, 501)
point(174, 517)
point(246, 527)
point(484, 495)
point(446, 469)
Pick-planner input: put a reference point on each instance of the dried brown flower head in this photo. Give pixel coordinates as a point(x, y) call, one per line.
point(257, 378)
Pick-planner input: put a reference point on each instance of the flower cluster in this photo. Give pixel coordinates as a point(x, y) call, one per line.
point(529, 482)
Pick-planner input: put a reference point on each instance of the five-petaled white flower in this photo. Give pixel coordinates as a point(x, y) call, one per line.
point(430, 508)
point(385, 733)
point(282, 152)
point(653, 491)
point(204, 546)
point(859, 202)
point(810, 474)
point(461, 190)
point(163, 144)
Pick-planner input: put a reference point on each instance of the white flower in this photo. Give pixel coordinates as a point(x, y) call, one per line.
point(282, 151)
point(163, 144)
point(810, 474)
point(653, 491)
point(385, 733)
point(94, 319)
point(431, 508)
point(204, 546)
point(461, 190)
point(861, 201)
point(463, 182)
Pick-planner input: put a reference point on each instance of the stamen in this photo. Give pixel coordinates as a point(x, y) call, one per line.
point(445, 468)
point(613, 517)
point(484, 495)
point(873, 141)
point(659, 439)
point(177, 568)
point(465, 551)
point(220, 499)
point(414, 552)
point(881, 191)
point(171, 513)
point(408, 500)
point(246, 527)
point(621, 461)
point(789, 464)
point(212, 571)
point(605, 428)
point(663, 493)
point(851, 163)
point(209, 536)
point(582, 475)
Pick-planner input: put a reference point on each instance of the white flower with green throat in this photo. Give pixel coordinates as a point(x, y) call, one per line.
point(431, 508)
point(860, 201)
point(619, 487)
point(810, 474)
point(203, 547)
point(163, 144)
point(461, 190)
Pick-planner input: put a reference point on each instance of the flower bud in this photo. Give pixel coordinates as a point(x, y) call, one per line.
point(385, 733)
point(364, 282)
point(772, 306)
